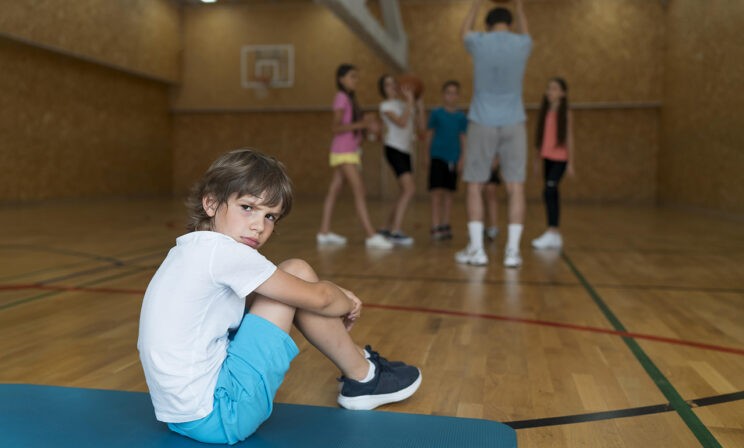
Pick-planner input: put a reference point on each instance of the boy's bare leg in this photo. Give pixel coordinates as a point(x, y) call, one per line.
point(435, 204)
point(327, 334)
point(446, 207)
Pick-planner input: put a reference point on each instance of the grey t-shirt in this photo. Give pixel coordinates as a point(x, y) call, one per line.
point(499, 61)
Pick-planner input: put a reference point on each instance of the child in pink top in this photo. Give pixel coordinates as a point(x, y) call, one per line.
point(349, 126)
point(555, 145)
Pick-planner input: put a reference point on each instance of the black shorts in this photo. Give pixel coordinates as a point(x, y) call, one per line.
point(399, 161)
point(442, 175)
point(495, 177)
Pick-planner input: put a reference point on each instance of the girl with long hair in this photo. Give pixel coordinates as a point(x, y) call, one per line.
point(554, 143)
point(349, 127)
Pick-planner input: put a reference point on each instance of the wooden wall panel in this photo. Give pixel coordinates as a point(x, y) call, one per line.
point(702, 157)
point(141, 36)
point(609, 50)
point(616, 157)
point(75, 129)
point(301, 140)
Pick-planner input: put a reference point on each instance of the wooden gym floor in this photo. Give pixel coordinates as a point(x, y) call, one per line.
point(633, 337)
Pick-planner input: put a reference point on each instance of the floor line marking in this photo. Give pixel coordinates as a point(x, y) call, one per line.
point(454, 313)
point(683, 409)
point(621, 413)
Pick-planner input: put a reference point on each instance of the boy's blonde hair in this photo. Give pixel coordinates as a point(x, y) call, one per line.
point(242, 172)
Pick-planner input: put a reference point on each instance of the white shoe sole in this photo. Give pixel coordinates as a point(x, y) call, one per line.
point(471, 262)
point(368, 402)
point(513, 264)
point(548, 247)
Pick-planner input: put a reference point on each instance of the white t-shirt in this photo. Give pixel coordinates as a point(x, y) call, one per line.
point(398, 137)
point(196, 295)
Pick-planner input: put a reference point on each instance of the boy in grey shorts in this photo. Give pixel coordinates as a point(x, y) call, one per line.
point(496, 124)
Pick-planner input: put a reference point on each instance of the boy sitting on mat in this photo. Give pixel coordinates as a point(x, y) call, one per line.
point(218, 387)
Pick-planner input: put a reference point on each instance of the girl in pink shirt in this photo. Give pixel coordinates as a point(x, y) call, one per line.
point(555, 145)
point(349, 126)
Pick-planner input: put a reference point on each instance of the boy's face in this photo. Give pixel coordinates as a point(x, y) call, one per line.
point(451, 95)
point(245, 219)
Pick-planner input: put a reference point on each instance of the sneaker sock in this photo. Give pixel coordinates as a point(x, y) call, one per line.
point(371, 372)
point(475, 230)
point(515, 234)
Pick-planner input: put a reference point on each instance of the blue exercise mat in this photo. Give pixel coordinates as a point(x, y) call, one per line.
point(48, 416)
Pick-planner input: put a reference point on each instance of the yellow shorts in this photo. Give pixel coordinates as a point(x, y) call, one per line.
point(339, 158)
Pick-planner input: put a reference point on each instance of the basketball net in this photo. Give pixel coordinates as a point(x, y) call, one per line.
point(261, 89)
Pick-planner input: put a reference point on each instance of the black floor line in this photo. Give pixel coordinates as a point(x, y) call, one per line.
point(621, 413)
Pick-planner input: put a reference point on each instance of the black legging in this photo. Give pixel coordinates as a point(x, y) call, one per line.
point(553, 173)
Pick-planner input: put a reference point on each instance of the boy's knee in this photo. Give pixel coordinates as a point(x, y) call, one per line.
point(299, 268)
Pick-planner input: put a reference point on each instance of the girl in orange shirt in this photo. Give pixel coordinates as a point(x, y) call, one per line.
point(555, 145)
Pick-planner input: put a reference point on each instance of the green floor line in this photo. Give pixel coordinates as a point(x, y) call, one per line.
point(699, 430)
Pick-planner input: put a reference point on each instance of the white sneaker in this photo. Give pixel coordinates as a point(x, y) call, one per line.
point(378, 242)
point(548, 240)
point(476, 257)
point(512, 259)
point(330, 239)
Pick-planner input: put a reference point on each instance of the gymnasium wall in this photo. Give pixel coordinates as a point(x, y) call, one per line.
point(611, 54)
point(702, 158)
point(85, 109)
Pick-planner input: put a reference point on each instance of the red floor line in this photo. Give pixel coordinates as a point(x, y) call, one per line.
point(20, 287)
point(545, 323)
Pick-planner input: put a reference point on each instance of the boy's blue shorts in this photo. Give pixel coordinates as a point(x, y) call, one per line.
point(257, 359)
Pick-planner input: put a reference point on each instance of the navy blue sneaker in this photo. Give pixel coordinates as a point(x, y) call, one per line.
point(373, 354)
point(384, 232)
point(389, 385)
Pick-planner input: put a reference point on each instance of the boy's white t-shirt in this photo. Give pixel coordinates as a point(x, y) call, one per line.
point(398, 137)
point(196, 295)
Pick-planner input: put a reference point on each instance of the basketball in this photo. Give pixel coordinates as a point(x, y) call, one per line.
point(412, 82)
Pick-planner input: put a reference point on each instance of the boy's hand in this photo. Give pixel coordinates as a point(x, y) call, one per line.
point(356, 311)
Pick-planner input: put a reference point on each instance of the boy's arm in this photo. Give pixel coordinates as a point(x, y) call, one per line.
point(463, 149)
point(467, 24)
point(322, 297)
point(522, 27)
point(426, 150)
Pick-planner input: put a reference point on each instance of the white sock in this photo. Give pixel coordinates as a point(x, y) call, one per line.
point(475, 230)
point(370, 373)
point(515, 234)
